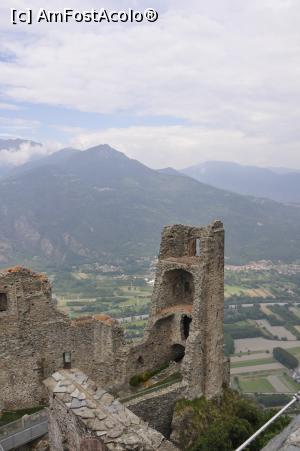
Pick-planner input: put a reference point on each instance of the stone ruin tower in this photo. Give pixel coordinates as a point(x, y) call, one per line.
point(187, 310)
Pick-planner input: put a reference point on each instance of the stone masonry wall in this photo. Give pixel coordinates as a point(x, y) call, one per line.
point(157, 408)
point(204, 370)
point(156, 350)
point(189, 283)
point(185, 325)
point(34, 337)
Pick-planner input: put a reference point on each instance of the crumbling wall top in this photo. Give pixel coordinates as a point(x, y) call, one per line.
point(106, 319)
point(22, 271)
point(91, 319)
point(182, 241)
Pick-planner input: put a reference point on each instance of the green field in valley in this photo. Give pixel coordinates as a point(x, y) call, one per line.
point(255, 362)
point(256, 385)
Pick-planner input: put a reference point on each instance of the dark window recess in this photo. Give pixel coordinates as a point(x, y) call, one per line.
point(67, 359)
point(178, 352)
point(140, 360)
point(178, 287)
point(186, 321)
point(187, 288)
point(3, 302)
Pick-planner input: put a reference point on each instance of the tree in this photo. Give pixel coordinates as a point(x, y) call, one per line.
point(286, 358)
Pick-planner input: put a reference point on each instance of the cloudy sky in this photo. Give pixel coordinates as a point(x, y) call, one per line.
point(211, 80)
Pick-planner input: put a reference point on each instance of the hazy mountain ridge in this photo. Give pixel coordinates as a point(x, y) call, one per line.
point(11, 146)
point(276, 184)
point(99, 205)
point(53, 159)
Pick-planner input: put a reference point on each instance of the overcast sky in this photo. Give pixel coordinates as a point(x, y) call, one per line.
point(210, 80)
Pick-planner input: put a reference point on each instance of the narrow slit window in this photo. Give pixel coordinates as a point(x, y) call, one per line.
point(3, 302)
point(198, 247)
point(185, 324)
point(67, 359)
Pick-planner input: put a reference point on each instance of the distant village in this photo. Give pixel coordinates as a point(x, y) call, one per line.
point(266, 265)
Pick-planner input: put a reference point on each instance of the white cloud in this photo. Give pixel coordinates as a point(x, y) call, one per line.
point(163, 146)
point(9, 106)
point(18, 123)
point(231, 69)
point(69, 130)
point(25, 152)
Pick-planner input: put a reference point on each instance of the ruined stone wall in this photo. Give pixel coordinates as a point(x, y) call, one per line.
point(63, 428)
point(157, 407)
point(185, 325)
point(20, 369)
point(203, 366)
point(155, 350)
point(95, 343)
point(189, 284)
point(34, 337)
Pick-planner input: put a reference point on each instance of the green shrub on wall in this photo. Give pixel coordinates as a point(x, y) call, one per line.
point(138, 379)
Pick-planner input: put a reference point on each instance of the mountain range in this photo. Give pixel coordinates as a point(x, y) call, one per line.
point(280, 184)
point(100, 206)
